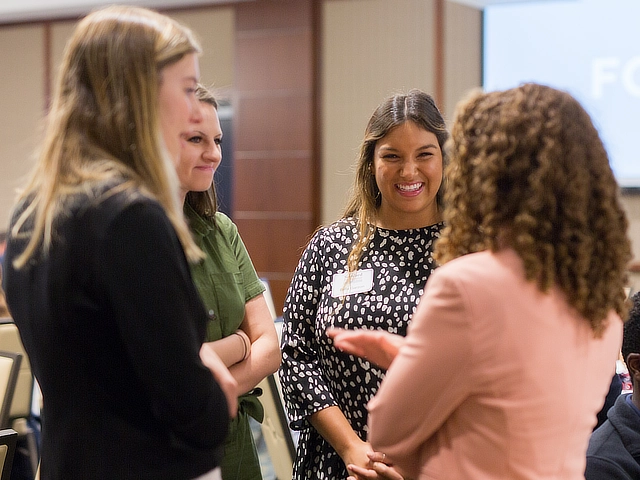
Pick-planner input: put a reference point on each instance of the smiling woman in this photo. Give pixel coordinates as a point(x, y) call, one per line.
point(201, 152)
point(367, 270)
point(240, 328)
point(407, 166)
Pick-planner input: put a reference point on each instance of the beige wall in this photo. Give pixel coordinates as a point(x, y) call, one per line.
point(21, 106)
point(463, 50)
point(372, 49)
point(214, 28)
point(60, 33)
point(631, 204)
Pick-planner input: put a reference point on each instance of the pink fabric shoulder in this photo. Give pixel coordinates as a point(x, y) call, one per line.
point(496, 379)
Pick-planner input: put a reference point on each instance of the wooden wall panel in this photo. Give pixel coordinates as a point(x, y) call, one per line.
point(276, 206)
point(273, 15)
point(271, 190)
point(269, 257)
point(273, 123)
point(280, 60)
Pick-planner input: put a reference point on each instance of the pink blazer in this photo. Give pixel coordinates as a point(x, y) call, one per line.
point(496, 380)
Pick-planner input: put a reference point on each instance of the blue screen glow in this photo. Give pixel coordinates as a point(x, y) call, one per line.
point(590, 48)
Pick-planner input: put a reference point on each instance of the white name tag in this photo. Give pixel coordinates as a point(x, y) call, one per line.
point(349, 283)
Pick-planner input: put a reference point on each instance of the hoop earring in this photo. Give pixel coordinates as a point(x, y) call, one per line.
point(377, 202)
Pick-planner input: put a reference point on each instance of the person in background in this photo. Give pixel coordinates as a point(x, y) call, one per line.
point(614, 448)
point(3, 246)
point(4, 311)
point(513, 346)
point(367, 270)
point(97, 276)
point(615, 389)
point(240, 327)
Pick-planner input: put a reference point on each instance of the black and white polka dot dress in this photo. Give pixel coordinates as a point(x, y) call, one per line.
point(314, 374)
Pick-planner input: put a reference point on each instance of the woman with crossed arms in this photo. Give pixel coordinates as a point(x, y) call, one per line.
point(240, 328)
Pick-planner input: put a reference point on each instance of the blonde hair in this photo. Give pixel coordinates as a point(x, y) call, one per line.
point(417, 107)
point(528, 168)
point(103, 124)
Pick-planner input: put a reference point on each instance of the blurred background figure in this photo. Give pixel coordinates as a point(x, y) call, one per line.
point(614, 448)
point(4, 311)
point(97, 275)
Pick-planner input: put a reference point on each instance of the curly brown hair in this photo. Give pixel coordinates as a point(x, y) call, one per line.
point(415, 106)
point(528, 168)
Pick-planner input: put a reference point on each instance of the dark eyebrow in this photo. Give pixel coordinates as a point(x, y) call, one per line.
point(423, 147)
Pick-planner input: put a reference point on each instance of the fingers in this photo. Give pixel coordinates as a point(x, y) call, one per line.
point(378, 457)
point(348, 341)
point(360, 473)
point(348, 347)
point(385, 471)
point(227, 382)
point(332, 331)
point(383, 466)
point(230, 389)
point(377, 471)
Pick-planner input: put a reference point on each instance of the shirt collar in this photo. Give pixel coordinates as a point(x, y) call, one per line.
point(198, 225)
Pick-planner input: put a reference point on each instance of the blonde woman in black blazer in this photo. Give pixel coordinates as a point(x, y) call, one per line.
point(97, 275)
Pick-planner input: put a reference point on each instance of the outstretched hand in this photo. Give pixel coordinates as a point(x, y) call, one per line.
point(378, 346)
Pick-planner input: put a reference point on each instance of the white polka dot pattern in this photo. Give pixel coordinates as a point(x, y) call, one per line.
point(314, 374)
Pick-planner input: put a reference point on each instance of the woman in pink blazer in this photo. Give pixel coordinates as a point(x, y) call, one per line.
point(511, 350)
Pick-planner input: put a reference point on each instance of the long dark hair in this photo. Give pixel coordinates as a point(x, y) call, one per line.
point(417, 107)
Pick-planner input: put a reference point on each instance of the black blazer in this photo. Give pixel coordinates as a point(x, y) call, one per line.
point(113, 325)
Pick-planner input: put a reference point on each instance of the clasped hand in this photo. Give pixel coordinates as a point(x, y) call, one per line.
point(378, 468)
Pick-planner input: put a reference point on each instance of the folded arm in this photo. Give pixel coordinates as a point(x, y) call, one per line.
point(252, 352)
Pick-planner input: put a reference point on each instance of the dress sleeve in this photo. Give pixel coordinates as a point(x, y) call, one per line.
point(428, 379)
point(252, 284)
point(305, 389)
point(158, 312)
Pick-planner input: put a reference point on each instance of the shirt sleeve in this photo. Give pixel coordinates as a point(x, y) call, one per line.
point(305, 389)
point(429, 377)
point(253, 286)
point(158, 313)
